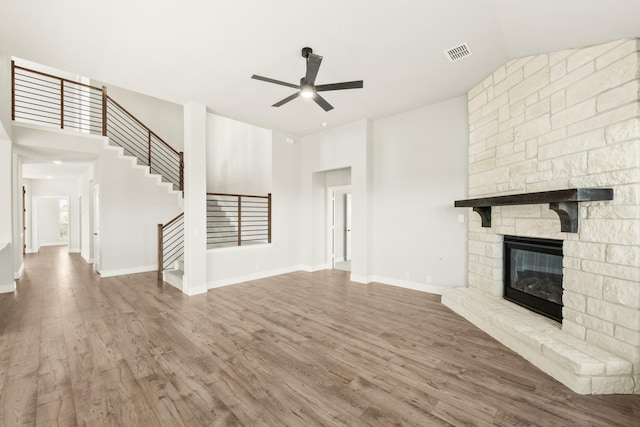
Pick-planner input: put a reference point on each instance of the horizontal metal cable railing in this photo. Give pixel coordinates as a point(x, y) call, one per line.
point(170, 244)
point(45, 99)
point(237, 220)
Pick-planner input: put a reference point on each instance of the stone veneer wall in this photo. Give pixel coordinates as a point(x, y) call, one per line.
point(554, 121)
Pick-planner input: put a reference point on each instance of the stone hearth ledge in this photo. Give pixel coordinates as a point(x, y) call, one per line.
point(583, 367)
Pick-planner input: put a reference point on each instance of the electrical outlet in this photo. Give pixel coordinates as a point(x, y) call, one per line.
point(428, 279)
point(407, 276)
point(460, 218)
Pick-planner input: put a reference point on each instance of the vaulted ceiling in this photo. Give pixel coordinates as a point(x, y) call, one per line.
point(205, 51)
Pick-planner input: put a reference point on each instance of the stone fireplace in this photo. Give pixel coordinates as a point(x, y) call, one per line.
point(548, 122)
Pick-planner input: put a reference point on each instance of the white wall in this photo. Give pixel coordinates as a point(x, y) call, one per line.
point(45, 191)
point(7, 283)
point(164, 118)
point(5, 96)
point(86, 184)
point(238, 157)
point(232, 265)
point(343, 147)
point(131, 207)
point(340, 223)
point(419, 169)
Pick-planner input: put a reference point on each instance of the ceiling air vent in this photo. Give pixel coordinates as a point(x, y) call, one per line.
point(457, 52)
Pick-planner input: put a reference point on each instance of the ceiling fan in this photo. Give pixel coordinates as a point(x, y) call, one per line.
point(307, 87)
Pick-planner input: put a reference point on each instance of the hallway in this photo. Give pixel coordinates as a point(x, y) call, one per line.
point(297, 349)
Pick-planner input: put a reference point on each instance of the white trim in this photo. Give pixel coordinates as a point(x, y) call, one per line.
point(313, 268)
point(8, 288)
point(74, 250)
point(196, 291)
point(218, 283)
point(65, 243)
point(237, 248)
point(416, 286)
point(17, 274)
point(339, 259)
point(30, 251)
point(360, 279)
point(132, 270)
point(87, 259)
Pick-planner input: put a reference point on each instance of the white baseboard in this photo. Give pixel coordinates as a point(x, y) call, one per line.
point(54, 244)
point(218, 283)
point(18, 273)
point(74, 250)
point(30, 251)
point(312, 268)
point(132, 270)
point(86, 258)
point(360, 279)
point(8, 288)
point(416, 286)
point(196, 291)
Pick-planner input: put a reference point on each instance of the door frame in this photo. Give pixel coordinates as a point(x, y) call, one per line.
point(331, 219)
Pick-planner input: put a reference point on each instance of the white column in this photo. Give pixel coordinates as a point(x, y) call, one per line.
point(195, 189)
point(7, 283)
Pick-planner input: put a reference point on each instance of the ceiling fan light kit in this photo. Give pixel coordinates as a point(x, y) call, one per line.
point(308, 88)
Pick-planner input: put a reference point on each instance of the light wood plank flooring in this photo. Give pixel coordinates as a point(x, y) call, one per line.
point(295, 350)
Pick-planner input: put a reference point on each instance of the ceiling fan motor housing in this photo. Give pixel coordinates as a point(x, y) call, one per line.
point(306, 51)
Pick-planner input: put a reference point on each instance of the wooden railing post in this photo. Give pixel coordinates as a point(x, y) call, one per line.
point(269, 218)
point(149, 155)
point(239, 220)
point(160, 250)
point(104, 111)
point(61, 104)
point(181, 171)
point(13, 89)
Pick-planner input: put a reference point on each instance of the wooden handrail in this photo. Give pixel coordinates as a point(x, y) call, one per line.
point(160, 252)
point(237, 195)
point(143, 125)
point(51, 76)
point(173, 220)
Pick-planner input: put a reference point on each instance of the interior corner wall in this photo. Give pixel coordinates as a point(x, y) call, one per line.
point(86, 215)
point(342, 147)
point(232, 265)
point(419, 169)
point(6, 224)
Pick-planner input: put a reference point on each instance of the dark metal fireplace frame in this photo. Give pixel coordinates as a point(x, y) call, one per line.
point(539, 305)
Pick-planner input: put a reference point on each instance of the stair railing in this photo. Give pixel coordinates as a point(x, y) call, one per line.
point(237, 219)
point(170, 243)
point(45, 99)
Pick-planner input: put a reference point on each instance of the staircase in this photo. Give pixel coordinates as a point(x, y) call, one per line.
point(42, 101)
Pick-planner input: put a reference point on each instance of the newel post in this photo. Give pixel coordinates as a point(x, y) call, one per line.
point(269, 218)
point(182, 171)
point(104, 111)
point(239, 220)
point(160, 250)
point(13, 90)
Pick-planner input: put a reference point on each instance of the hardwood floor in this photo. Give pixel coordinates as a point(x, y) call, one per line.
point(300, 349)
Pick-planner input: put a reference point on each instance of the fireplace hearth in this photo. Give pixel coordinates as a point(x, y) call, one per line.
point(533, 274)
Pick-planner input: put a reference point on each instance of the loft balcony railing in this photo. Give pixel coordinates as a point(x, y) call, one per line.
point(45, 99)
point(238, 220)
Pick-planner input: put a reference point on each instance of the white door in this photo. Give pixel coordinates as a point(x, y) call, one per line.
point(347, 237)
point(96, 230)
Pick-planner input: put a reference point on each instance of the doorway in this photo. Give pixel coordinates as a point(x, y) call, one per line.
point(340, 227)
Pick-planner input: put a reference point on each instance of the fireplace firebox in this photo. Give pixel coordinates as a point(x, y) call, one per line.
point(533, 274)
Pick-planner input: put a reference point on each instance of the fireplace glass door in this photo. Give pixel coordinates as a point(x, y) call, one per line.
point(533, 274)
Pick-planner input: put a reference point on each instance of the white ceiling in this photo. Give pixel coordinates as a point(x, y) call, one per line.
point(206, 50)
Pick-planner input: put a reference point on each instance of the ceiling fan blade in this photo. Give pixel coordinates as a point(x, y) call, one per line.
point(322, 102)
point(313, 65)
point(287, 99)
point(357, 84)
point(278, 82)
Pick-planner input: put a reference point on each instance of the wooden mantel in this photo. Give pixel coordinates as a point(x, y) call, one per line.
point(564, 202)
